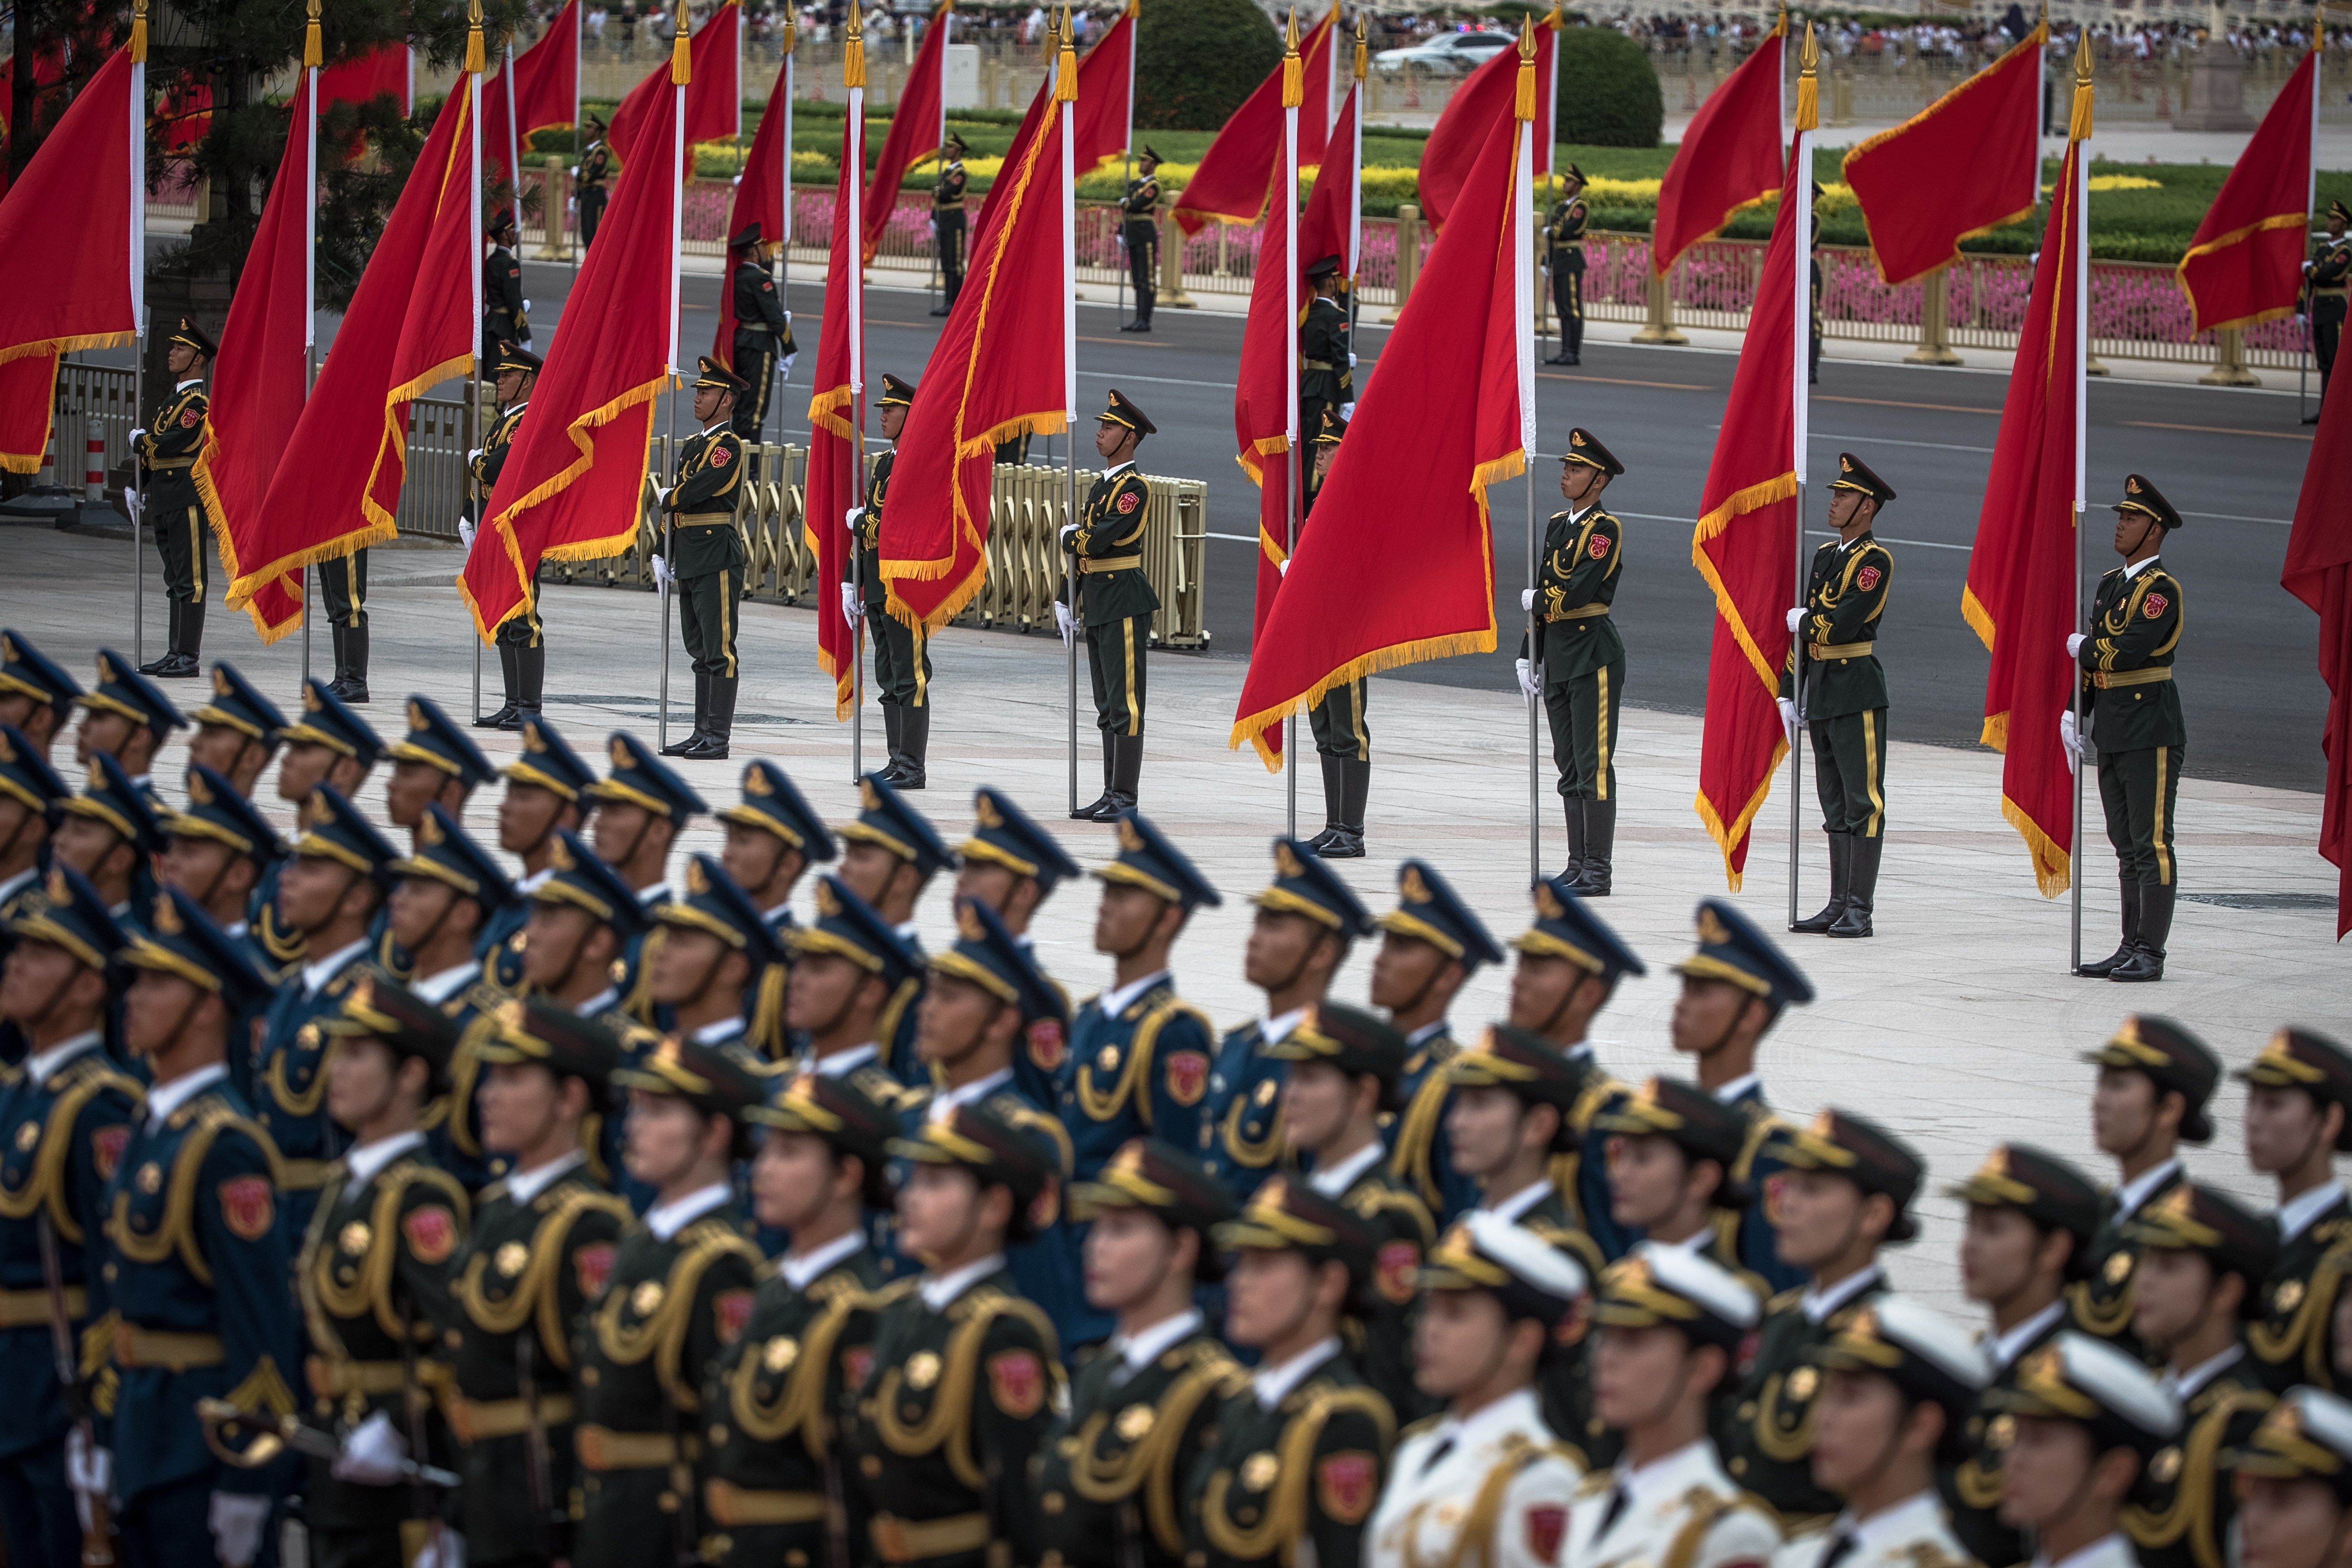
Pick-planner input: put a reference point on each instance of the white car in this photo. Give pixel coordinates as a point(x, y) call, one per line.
point(1448, 53)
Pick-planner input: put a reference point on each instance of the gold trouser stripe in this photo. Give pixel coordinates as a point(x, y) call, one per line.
point(135, 1346)
point(331, 1379)
point(732, 1505)
point(910, 1540)
point(2163, 854)
point(1109, 564)
point(30, 1309)
point(1582, 613)
point(1356, 709)
point(1870, 774)
point(1601, 730)
point(306, 1175)
point(352, 584)
point(2108, 679)
point(474, 1420)
point(915, 641)
point(602, 1449)
point(196, 549)
point(726, 619)
point(1134, 714)
point(1841, 649)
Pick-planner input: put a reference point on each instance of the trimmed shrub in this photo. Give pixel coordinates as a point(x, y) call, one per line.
point(1608, 91)
point(1199, 59)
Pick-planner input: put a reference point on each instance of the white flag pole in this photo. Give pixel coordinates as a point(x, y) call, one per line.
point(1293, 95)
point(1523, 345)
point(1800, 322)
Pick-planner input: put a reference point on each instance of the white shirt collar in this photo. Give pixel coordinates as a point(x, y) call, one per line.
point(713, 1034)
point(654, 893)
point(192, 381)
point(517, 407)
point(2136, 1192)
point(1732, 1092)
point(2006, 1348)
point(2136, 567)
point(41, 1066)
point(2184, 1384)
point(317, 974)
point(665, 1220)
point(1658, 1474)
point(22, 878)
point(1918, 1515)
point(912, 931)
point(523, 1186)
point(1274, 1031)
point(239, 929)
point(1520, 1202)
point(1119, 999)
point(166, 1097)
point(1820, 1302)
point(1426, 1033)
point(1141, 1349)
point(2296, 1214)
point(364, 1162)
point(939, 1291)
point(842, 1063)
point(1117, 469)
point(801, 1269)
point(536, 880)
point(1579, 1052)
point(604, 1001)
point(943, 1104)
point(775, 912)
point(1576, 513)
point(1336, 1179)
point(1274, 1383)
point(2112, 1548)
point(447, 983)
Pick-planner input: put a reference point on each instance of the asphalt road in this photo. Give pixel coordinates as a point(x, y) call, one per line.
point(2232, 462)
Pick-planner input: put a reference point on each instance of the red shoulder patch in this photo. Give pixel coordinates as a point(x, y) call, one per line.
point(730, 1310)
point(857, 1363)
point(1546, 1528)
point(1188, 1077)
point(1129, 501)
point(591, 1268)
point(432, 1233)
point(190, 418)
point(719, 458)
point(1867, 578)
point(1346, 1484)
point(106, 1146)
point(2154, 604)
point(246, 1206)
point(1599, 548)
point(1396, 1269)
point(1016, 1382)
point(1047, 1047)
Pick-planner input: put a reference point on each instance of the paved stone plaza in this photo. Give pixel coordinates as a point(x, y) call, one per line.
point(1958, 1024)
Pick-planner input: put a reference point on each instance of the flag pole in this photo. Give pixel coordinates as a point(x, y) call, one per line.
point(1356, 185)
point(313, 56)
point(137, 261)
point(2078, 230)
point(1294, 92)
point(1523, 342)
point(1066, 98)
point(852, 145)
point(578, 146)
point(784, 205)
point(474, 63)
point(2311, 208)
point(679, 75)
point(1801, 410)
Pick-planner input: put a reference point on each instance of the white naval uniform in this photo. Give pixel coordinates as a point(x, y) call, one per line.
point(2108, 1552)
point(1504, 1475)
point(1682, 1511)
point(1916, 1533)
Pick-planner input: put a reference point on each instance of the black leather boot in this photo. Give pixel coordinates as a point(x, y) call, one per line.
point(1855, 919)
point(187, 642)
point(1098, 809)
point(893, 722)
point(355, 655)
point(342, 665)
point(163, 661)
point(1127, 774)
point(679, 747)
point(915, 733)
point(530, 665)
point(2102, 968)
point(1600, 839)
point(1572, 809)
point(1335, 793)
point(717, 721)
point(2147, 960)
point(511, 683)
point(1841, 879)
point(1355, 789)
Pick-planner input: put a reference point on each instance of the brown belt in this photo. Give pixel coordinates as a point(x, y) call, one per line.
point(333, 1379)
point(1318, 364)
point(30, 1309)
point(2108, 680)
point(912, 1541)
point(1841, 649)
point(164, 464)
point(706, 520)
point(1109, 564)
point(2339, 292)
point(1582, 613)
point(730, 1504)
point(474, 1420)
point(158, 1347)
point(602, 1449)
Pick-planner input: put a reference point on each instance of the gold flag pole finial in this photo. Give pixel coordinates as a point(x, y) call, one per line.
point(2078, 123)
point(1809, 85)
point(314, 53)
point(475, 57)
point(681, 62)
point(139, 31)
point(1523, 102)
point(1066, 63)
point(1781, 26)
point(1364, 49)
point(853, 53)
point(791, 32)
point(1294, 70)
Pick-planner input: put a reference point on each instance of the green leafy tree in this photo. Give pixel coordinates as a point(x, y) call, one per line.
point(1608, 91)
point(1196, 61)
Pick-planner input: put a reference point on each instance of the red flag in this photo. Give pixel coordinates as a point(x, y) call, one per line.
point(1477, 106)
point(1449, 411)
point(1237, 172)
point(1746, 541)
point(1333, 222)
point(262, 375)
point(714, 97)
point(915, 126)
point(1263, 411)
point(2025, 568)
point(1956, 168)
point(411, 324)
point(1104, 119)
point(833, 480)
point(998, 371)
point(385, 70)
point(2246, 264)
point(760, 195)
point(70, 229)
point(570, 486)
point(544, 82)
point(2319, 573)
point(1729, 158)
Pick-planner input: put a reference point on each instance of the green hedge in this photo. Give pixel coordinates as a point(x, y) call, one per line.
point(1608, 93)
point(1197, 61)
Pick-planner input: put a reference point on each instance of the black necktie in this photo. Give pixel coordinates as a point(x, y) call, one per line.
point(1436, 1455)
point(1618, 1499)
point(1840, 1549)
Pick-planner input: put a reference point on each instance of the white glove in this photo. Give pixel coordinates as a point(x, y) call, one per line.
point(1069, 532)
point(90, 1471)
point(853, 608)
point(574, 170)
point(141, 434)
point(1282, 567)
point(1065, 622)
point(473, 456)
point(786, 362)
point(1527, 677)
point(1346, 411)
point(661, 497)
point(662, 578)
point(236, 1522)
point(526, 307)
point(444, 1548)
point(1526, 601)
point(134, 503)
point(1796, 618)
point(1351, 361)
point(850, 519)
point(2069, 735)
point(1788, 719)
point(466, 535)
point(372, 1453)
point(2074, 644)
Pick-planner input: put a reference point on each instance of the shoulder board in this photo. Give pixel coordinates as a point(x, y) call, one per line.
point(1595, 1483)
point(1427, 1422)
point(1601, 514)
point(1785, 1299)
point(1825, 544)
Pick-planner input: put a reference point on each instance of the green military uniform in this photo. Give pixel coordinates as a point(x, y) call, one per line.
point(373, 1278)
point(595, 168)
point(948, 219)
point(2135, 721)
point(2328, 283)
point(1430, 913)
point(1326, 375)
point(1139, 232)
point(538, 1257)
point(1564, 255)
point(1343, 741)
point(1584, 668)
point(678, 1296)
point(1115, 604)
point(2111, 1399)
point(707, 556)
point(168, 451)
point(523, 650)
point(2293, 1335)
point(763, 333)
point(342, 593)
point(1813, 335)
point(902, 654)
point(1837, 690)
point(503, 306)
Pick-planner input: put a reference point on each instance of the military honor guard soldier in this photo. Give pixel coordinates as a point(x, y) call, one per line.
point(595, 168)
point(168, 453)
point(109, 834)
point(128, 718)
point(773, 837)
point(445, 897)
point(237, 731)
point(890, 853)
point(1564, 260)
point(763, 346)
point(329, 744)
point(1327, 372)
point(1672, 1150)
point(1114, 600)
point(2326, 282)
point(710, 558)
point(2298, 1119)
point(848, 966)
point(521, 639)
point(2293, 1481)
point(505, 312)
point(2156, 1084)
point(30, 794)
point(2128, 708)
point(36, 696)
point(902, 655)
point(1343, 741)
point(948, 220)
point(1836, 687)
point(1012, 865)
point(217, 851)
point(1578, 668)
point(544, 796)
point(1431, 943)
point(1138, 235)
point(2090, 1424)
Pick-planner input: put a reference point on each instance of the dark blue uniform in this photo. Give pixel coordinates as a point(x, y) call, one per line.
point(1429, 913)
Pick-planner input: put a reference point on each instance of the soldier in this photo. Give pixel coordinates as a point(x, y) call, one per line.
point(169, 452)
point(640, 810)
point(505, 312)
point(343, 595)
point(1902, 1380)
point(195, 1259)
point(773, 1486)
point(126, 718)
point(545, 794)
point(237, 731)
point(436, 763)
point(2297, 1094)
point(2203, 1261)
point(1012, 866)
point(2031, 1215)
point(373, 1277)
point(1115, 1470)
point(1301, 1259)
point(110, 834)
point(329, 745)
point(1138, 235)
point(889, 855)
point(35, 694)
point(1431, 943)
point(442, 898)
point(2325, 284)
point(2133, 713)
point(2090, 1422)
point(1343, 739)
point(2155, 1082)
point(1583, 681)
point(1672, 1150)
point(539, 1255)
point(848, 966)
point(1114, 600)
point(583, 920)
point(947, 220)
point(965, 1375)
point(681, 1293)
point(1564, 260)
point(902, 654)
point(1493, 1297)
point(65, 1116)
point(714, 947)
point(1846, 1192)
point(1670, 1323)
point(1307, 920)
point(772, 837)
point(521, 639)
point(1341, 1084)
point(30, 794)
point(2294, 1482)
point(705, 558)
point(1835, 689)
point(595, 167)
point(1327, 370)
point(218, 852)
point(763, 346)
point(329, 890)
